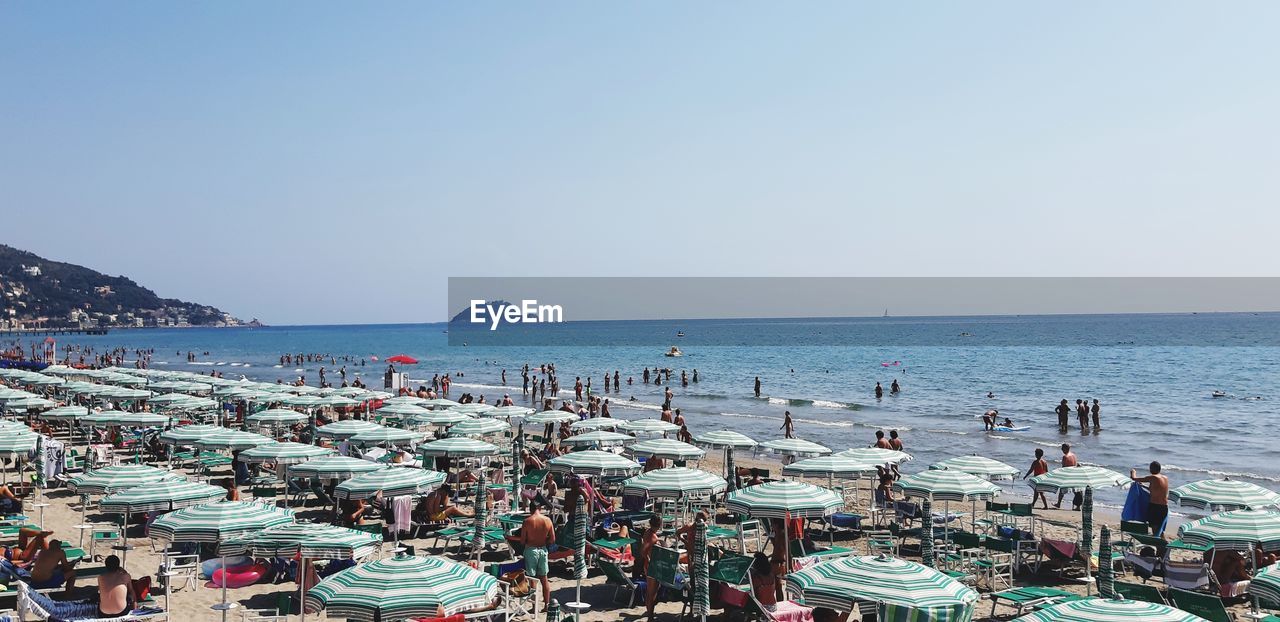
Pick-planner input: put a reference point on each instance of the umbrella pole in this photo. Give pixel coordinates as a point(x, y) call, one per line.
point(223, 607)
point(302, 578)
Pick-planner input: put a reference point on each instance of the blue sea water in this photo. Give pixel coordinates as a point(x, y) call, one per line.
point(1154, 376)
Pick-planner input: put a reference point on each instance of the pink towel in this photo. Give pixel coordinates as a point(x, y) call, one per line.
point(788, 611)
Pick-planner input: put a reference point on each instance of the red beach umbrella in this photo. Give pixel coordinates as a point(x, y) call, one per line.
point(402, 359)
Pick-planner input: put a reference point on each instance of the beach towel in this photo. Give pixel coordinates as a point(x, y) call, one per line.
point(402, 510)
point(1135, 506)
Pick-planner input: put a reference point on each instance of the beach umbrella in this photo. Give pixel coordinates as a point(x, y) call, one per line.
point(946, 486)
point(401, 411)
point(553, 611)
point(478, 427)
point(402, 587)
point(457, 447)
point(346, 429)
point(334, 467)
point(1237, 530)
point(391, 482)
point(404, 400)
point(830, 466)
point(926, 532)
point(674, 482)
point(283, 453)
point(1086, 526)
point(306, 401)
point(162, 496)
point(1108, 610)
point(600, 438)
point(977, 465)
point(784, 499)
point(579, 544)
point(517, 465)
point(795, 447)
point(438, 403)
point(1266, 584)
point(1076, 479)
point(595, 423)
point(508, 412)
point(550, 417)
point(277, 417)
point(700, 571)
point(730, 471)
point(188, 434)
point(402, 359)
point(337, 401)
point(668, 449)
point(1223, 495)
point(308, 540)
point(116, 478)
point(390, 436)
point(723, 439)
point(646, 426)
point(481, 514)
point(233, 440)
point(440, 417)
point(1106, 571)
point(841, 583)
point(593, 462)
point(28, 403)
point(123, 418)
point(39, 465)
point(18, 442)
point(65, 412)
point(876, 455)
point(475, 409)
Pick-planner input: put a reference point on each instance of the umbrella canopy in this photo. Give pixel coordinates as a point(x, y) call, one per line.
point(215, 522)
point(876, 455)
point(308, 540)
point(550, 416)
point(305, 401)
point(784, 499)
point(926, 532)
point(162, 497)
point(234, 440)
point(602, 438)
point(405, 400)
point(1235, 530)
point(579, 538)
point(674, 482)
point(842, 582)
point(438, 403)
point(1109, 610)
point(645, 426)
point(276, 417)
point(1266, 584)
point(18, 442)
point(946, 486)
point(508, 412)
point(65, 412)
point(283, 453)
point(457, 447)
point(593, 462)
point(667, 448)
point(1224, 494)
point(473, 409)
point(597, 423)
point(188, 434)
point(977, 465)
point(116, 478)
point(393, 436)
point(334, 467)
point(403, 359)
point(402, 587)
point(402, 411)
point(28, 403)
point(120, 417)
point(346, 429)
point(440, 417)
point(830, 466)
point(478, 427)
point(391, 482)
point(337, 401)
point(1076, 479)
point(795, 447)
point(720, 439)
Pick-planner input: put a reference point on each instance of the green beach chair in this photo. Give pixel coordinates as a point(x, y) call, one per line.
point(1207, 606)
point(1140, 592)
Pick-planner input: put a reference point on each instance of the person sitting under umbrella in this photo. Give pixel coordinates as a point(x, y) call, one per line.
point(440, 505)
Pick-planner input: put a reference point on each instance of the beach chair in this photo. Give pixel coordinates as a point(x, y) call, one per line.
point(1059, 553)
point(879, 542)
point(1024, 598)
point(749, 528)
point(1140, 592)
point(614, 575)
point(786, 610)
point(1186, 575)
point(798, 549)
point(1207, 606)
point(180, 569)
point(518, 588)
point(104, 535)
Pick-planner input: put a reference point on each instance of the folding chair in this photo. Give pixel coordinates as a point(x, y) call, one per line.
point(616, 576)
point(184, 568)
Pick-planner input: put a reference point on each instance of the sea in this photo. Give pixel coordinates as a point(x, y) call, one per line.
point(1154, 375)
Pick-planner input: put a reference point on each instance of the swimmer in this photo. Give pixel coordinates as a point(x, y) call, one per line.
point(991, 395)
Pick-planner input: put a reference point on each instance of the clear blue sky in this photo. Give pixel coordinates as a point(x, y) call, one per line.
point(335, 162)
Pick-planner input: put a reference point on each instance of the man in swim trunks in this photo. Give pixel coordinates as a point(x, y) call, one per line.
point(640, 570)
point(1158, 505)
point(1068, 460)
point(51, 568)
point(536, 534)
point(440, 505)
point(115, 590)
point(1064, 412)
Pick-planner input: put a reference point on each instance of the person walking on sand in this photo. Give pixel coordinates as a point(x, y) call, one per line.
point(1096, 410)
point(537, 534)
point(757, 386)
point(1082, 412)
point(1068, 460)
point(1158, 504)
point(788, 426)
point(1039, 466)
point(1064, 412)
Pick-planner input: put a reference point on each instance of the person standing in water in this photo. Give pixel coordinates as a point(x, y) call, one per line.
point(757, 386)
point(1082, 412)
point(1097, 410)
point(879, 391)
point(1064, 412)
point(894, 389)
point(788, 426)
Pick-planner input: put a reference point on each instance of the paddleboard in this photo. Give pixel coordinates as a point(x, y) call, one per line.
point(1016, 428)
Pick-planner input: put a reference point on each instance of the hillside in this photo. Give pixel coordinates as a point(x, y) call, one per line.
point(39, 293)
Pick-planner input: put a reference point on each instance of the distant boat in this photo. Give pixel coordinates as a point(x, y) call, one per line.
point(1219, 393)
point(674, 351)
point(886, 312)
point(680, 333)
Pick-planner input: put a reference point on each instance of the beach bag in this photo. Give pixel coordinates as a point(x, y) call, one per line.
point(1135, 505)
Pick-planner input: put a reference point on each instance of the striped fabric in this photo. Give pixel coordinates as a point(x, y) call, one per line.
point(579, 539)
point(120, 417)
point(481, 509)
point(346, 429)
point(65, 412)
point(334, 467)
point(1235, 530)
point(669, 449)
point(234, 440)
point(402, 587)
point(902, 613)
point(18, 443)
point(478, 427)
point(517, 465)
point(309, 540)
point(457, 447)
point(598, 423)
point(593, 462)
point(401, 411)
point(440, 417)
point(977, 465)
point(1106, 570)
point(602, 438)
point(795, 447)
point(276, 417)
point(1086, 524)
point(719, 439)
point(674, 482)
point(215, 522)
point(1109, 610)
point(1076, 479)
point(784, 499)
point(392, 436)
point(551, 416)
point(831, 466)
point(730, 469)
point(473, 409)
point(700, 598)
point(926, 533)
point(391, 482)
point(283, 453)
point(188, 434)
point(842, 582)
point(116, 478)
point(647, 426)
point(1223, 495)
point(162, 497)
point(508, 412)
point(437, 403)
point(1266, 584)
point(876, 455)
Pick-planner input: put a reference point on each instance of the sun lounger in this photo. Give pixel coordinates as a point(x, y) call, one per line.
point(34, 604)
point(1207, 606)
point(1186, 575)
point(1140, 592)
point(1024, 598)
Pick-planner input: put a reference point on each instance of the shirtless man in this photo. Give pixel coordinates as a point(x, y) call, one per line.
point(30, 542)
point(1158, 505)
point(881, 441)
point(440, 505)
point(1068, 460)
point(115, 590)
point(788, 426)
point(51, 568)
point(536, 534)
point(640, 569)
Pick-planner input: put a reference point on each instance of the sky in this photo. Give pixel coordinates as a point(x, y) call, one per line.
point(328, 162)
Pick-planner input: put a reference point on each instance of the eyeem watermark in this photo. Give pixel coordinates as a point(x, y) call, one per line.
point(527, 312)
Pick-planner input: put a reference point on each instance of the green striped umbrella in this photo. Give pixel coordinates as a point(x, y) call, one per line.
point(481, 513)
point(841, 583)
point(1109, 610)
point(1224, 494)
point(1076, 479)
point(478, 427)
point(334, 467)
point(474, 409)
point(277, 417)
point(439, 403)
point(391, 482)
point(1266, 584)
point(730, 470)
point(215, 522)
point(551, 416)
point(647, 426)
point(977, 465)
point(18, 443)
point(700, 571)
point(517, 464)
point(39, 463)
point(674, 482)
point(553, 611)
point(579, 543)
point(306, 401)
point(391, 436)
point(337, 401)
point(120, 417)
point(346, 429)
point(283, 453)
point(405, 400)
point(116, 478)
point(600, 438)
point(508, 412)
point(1106, 571)
point(597, 423)
point(402, 587)
point(926, 532)
point(308, 540)
point(720, 439)
point(161, 497)
point(876, 455)
point(28, 403)
point(829, 466)
point(593, 462)
point(784, 499)
point(440, 417)
point(457, 447)
point(795, 447)
point(65, 412)
point(946, 486)
point(669, 449)
point(234, 440)
point(188, 434)
point(1235, 530)
point(1086, 527)
point(401, 411)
